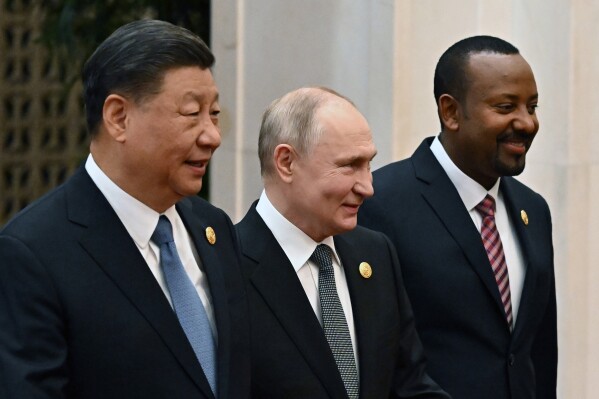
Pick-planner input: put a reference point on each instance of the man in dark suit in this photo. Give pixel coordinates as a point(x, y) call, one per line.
point(475, 244)
point(328, 311)
point(94, 297)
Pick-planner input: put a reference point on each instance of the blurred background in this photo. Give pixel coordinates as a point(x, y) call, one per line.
point(43, 45)
point(380, 53)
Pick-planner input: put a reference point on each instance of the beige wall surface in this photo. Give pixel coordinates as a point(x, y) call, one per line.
point(382, 54)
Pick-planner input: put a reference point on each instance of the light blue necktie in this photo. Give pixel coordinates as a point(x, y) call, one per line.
point(186, 301)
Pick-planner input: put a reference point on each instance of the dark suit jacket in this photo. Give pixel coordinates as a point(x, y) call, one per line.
point(450, 283)
point(82, 315)
point(290, 355)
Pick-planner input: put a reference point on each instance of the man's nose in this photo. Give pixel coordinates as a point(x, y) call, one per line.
point(526, 122)
point(210, 135)
point(363, 184)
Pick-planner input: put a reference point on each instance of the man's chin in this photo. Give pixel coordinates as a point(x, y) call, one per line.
point(514, 169)
point(190, 190)
point(348, 225)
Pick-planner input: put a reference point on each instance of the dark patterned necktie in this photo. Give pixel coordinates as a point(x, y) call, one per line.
point(494, 248)
point(186, 301)
point(333, 321)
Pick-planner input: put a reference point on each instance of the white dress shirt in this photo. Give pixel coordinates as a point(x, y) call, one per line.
point(140, 221)
point(299, 247)
point(472, 193)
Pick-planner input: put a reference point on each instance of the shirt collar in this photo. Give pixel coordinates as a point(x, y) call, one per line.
point(296, 244)
point(470, 191)
point(139, 219)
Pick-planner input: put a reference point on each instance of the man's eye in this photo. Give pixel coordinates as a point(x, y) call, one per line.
point(505, 107)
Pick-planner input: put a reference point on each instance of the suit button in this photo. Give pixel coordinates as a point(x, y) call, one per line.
point(511, 359)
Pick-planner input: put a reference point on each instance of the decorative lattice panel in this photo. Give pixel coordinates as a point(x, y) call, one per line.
point(42, 131)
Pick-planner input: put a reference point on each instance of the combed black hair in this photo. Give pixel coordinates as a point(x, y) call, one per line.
point(133, 60)
point(450, 74)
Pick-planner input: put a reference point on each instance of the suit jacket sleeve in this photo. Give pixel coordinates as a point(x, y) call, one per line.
point(411, 379)
point(544, 349)
point(33, 347)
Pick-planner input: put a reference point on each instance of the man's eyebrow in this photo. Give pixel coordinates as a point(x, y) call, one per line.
point(514, 97)
point(354, 158)
point(201, 96)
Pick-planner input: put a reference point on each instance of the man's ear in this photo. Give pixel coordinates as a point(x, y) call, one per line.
point(284, 159)
point(114, 114)
point(449, 112)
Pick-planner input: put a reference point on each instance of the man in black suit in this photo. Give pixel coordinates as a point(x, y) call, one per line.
point(328, 311)
point(89, 306)
point(480, 278)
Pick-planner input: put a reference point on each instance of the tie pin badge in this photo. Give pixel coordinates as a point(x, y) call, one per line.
point(365, 270)
point(524, 217)
point(210, 235)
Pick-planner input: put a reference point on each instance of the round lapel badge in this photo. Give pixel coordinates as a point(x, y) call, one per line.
point(524, 217)
point(210, 235)
point(365, 270)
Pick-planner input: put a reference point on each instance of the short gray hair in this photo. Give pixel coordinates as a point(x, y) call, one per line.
point(292, 120)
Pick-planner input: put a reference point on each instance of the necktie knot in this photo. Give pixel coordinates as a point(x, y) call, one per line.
point(322, 256)
point(486, 207)
point(163, 233)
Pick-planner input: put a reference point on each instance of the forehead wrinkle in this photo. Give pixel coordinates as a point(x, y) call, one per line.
point(359, 152)
point(200, 96)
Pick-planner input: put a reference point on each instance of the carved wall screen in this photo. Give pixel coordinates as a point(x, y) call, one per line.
point(42, 126)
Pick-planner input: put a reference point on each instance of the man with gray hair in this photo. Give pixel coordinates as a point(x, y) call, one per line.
point(122, 283)
point(329, 314)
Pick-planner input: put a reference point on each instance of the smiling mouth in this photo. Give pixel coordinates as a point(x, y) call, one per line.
point(515, 147)
point(519, 144)
point(515, 143)
point(197, 164)
point(352, 207)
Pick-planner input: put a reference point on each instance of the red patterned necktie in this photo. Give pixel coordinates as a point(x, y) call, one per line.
point(492, 243)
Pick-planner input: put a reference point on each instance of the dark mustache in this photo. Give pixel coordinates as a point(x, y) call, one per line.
point(520, 136)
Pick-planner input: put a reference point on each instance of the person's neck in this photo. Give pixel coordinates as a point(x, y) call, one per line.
point(133, 184)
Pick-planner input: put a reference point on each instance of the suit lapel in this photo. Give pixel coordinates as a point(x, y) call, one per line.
point(276, 281)
point(108, 243)
point(514, 205)
point(442, 196)
point(214, 272)
point(364, 310)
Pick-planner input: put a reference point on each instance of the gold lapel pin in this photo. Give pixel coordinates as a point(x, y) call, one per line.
point(524, 217)
point(210, 235)
point(365, 270)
